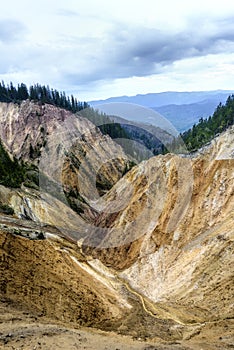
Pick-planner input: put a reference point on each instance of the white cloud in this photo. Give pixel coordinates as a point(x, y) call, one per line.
point(196, 74)
point(106, 48)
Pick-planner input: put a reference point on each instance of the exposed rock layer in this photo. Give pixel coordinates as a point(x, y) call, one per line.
point(154, 254)
point(180, 220)
point(62, 145)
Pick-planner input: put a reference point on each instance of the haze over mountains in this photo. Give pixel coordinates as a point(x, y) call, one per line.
point(182, 109)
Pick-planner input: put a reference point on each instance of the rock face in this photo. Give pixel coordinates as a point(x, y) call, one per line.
point(48, 275)
point(51, 282)
point(178, 226)
point(154, 255)
point(59, 143)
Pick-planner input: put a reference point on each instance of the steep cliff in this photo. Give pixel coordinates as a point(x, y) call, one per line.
point(174, 239)
point(152, 257)
point(62, 145)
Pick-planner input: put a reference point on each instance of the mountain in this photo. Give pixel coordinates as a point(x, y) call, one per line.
point(146, 253)
point(168, 98)
point(182, 109)
point(184, 116)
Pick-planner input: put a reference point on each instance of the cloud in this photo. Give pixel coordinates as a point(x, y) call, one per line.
point(11, 30)
point(67, 13)
point(88, 47)
point(123, 51)
point(140, 52)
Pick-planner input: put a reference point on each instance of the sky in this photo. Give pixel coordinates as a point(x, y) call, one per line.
point(98, 49)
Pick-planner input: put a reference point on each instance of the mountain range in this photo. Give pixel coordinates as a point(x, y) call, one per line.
point(182, 109)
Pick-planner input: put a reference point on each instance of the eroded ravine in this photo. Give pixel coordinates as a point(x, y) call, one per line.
point(163, 268)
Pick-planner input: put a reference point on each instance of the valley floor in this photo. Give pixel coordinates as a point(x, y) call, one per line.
point(19, 329)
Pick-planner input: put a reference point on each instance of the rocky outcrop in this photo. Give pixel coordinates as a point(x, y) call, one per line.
point(46, 273)
point(153, 254)
point(62, 145)
point(44, 276)
point(173, 240)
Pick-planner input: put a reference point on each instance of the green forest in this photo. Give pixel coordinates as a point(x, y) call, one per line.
point(204, 131)
point(40, 93)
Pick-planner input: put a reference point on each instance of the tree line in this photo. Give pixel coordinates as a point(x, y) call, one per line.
point(206, 129)
point(40, 93)
point(194, 138)
point(46, 95)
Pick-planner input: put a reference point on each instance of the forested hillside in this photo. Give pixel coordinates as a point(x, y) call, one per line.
point(207, 129)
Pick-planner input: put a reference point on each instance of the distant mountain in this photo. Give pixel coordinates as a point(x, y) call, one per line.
point(185, 115)
point(182, 109)
point(168, 98)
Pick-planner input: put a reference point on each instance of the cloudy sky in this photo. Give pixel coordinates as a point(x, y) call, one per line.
point(101, 48)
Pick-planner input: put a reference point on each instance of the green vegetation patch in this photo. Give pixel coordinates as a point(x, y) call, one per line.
point(203, 132)
point(6, 209)
point(13, 172)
